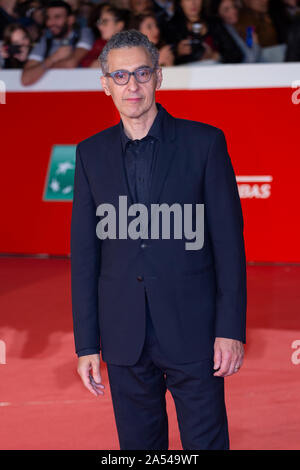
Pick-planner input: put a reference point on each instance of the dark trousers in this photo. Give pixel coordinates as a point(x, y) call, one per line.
point(138, 396)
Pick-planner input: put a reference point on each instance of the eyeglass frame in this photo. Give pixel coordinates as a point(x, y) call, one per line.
point(111, 74)
point(99, 22)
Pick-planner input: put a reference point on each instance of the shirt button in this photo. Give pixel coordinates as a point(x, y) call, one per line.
point(143, 245)
point(140, 278)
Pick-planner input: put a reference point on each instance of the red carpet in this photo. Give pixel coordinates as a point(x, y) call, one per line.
point(43, 404)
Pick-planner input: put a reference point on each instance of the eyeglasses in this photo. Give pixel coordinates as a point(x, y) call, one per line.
point(121, 77)
point(104, 21)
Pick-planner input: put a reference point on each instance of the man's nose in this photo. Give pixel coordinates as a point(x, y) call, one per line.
point(132, 83)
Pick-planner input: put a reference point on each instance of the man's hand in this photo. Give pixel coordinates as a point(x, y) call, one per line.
point(92, 381)
point(228, 356)
point(184, 47)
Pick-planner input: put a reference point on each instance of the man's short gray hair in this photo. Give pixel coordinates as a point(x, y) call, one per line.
point(128, 38)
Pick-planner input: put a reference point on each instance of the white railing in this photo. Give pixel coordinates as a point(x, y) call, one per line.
point(217, 76)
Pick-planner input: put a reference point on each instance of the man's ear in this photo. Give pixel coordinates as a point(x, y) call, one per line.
point(104, 85)
point(159, 78)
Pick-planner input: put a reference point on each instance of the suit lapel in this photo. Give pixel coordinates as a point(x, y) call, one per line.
point(166, 152)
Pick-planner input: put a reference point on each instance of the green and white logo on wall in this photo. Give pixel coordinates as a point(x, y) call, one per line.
point(60, 175)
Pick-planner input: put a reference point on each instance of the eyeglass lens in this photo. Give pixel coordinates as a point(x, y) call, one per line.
point(141, 75)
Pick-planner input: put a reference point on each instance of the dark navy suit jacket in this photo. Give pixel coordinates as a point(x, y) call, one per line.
point(194, 295)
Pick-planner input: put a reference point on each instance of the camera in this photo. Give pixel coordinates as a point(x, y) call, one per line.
point(196, 40)
point(13, 49)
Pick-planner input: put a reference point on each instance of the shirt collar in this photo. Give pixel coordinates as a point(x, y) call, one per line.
point(154, 131)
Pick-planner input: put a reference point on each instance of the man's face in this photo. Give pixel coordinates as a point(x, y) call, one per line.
point(19, 38)
point(228, 12)
point(191, 8)
point(140, 6)
point(260, 6)
point(134, 99)
point(57, 21)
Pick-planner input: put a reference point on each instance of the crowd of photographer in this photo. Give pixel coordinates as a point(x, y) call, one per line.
point(38, 35)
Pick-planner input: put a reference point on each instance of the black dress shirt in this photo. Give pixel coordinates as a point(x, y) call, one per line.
point(140, 157)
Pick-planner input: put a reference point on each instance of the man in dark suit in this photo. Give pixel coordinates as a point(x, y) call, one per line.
point(165, 313)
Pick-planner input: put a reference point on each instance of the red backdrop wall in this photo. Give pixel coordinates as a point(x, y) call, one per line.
point(262, 130)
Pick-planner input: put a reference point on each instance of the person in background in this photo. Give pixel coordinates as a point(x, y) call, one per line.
point(32, 17)
point(91, 58)
point(166, 5)
point(15, 47)
point(147, 24)
point(138, 7)
point(161, 12)
point(7, 14)
point(74, 4)
point(188, 31)
point(292, 8)
point(257, 14)
point(233, 48)
point(82, 10)
point(84, 13)
point(110, 21)
point(62, 46)
point(123, 4)
point(281, 18)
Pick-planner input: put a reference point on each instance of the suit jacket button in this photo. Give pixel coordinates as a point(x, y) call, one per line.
point(140, 278)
